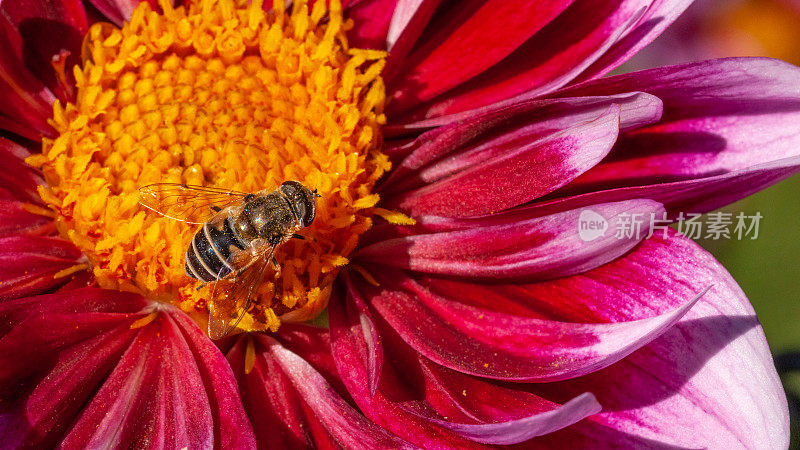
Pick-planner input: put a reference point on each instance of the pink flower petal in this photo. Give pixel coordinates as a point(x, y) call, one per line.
point(348, 347)
point(491, 344)
point(721, 139)
point(719, 116)
point(709, 382)
point(28, 264)
point(407, 25)
point(462, 44)
point(532, 119)
point(521, 430)
point(547, 60)
point(515, 246)
point(27, 101)
point(372, 20)
point(415, 395)
point(359, 316)
point(539, 115)
point(510, 170)
point(40, 31)
point(15, 219)
point(292, 404)
point(659, 15)
point(90, 376)
point(403, 12)
point(118, 11)
point(18, 179)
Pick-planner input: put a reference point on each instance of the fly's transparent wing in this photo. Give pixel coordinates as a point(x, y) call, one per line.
point(187, 203)
point(232, 296)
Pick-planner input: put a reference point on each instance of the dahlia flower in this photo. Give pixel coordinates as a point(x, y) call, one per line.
point(455, 146)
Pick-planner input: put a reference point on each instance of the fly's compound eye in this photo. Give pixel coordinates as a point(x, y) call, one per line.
point(302, 199)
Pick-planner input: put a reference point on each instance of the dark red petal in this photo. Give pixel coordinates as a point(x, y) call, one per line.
point(28, 264)
point(358, 312)
point(18, 128)
point(349, 347)
point(406, 27)
point(551, 58)
point(26, 100)
point(90, 376)
point(18, 179)
point(424, 402)
point(372, 20)
point(491, 344)
point(509, 170)
point(15, 219)
point(118, 11)
point(294, 405)
point(465, 40)
point(513, 246)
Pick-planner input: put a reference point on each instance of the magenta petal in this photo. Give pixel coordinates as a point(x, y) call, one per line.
point(27, 102)
point(496, 345)
point(28, 264)
point(540, 115)
point(15, 219)
point(520, 430)
point(510, 172)
point(89, 376)
point(292, 403)
point(407, 25)
point(515, 246)
point(348, 345)
point(372, 20)
point(488, 127)
point(728, 131)
point(118, 11)
point(691, 196)
point(551, 58)
point(359, 316)
point(659, 15)
point(18, 179)
point(416, 395)
point(709, 382)
point(348, 427)
point(719, 116)
point(403, 12)
point(461, 45)
point(40, 31)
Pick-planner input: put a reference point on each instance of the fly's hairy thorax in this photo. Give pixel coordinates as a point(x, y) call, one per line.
point(269, 217)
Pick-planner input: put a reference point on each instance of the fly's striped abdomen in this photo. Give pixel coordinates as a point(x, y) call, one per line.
point(211, 247)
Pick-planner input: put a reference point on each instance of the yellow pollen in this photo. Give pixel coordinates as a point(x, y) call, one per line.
point(70, 270)
point(144, 320)
point(364, 273)
point(249, 356)
point(38, 210)
point(218, 93)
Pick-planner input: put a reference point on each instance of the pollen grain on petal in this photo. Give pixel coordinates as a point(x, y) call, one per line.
point(218, 93)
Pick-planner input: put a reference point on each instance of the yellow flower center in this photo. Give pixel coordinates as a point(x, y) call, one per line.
point(224, 94)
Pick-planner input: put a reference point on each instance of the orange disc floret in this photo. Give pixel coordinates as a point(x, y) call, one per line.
point(218, 93)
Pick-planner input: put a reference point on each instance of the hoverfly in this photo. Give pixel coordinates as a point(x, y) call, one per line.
point(237, 241)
